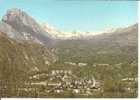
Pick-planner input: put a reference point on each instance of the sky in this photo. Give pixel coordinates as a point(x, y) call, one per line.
point(79, 15)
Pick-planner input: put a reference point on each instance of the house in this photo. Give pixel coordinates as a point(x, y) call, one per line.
point(104, 65)
point(39, 83)
point(47, 62)
point(76, 91)
point(58, 90)
point(53, 84)
point(70, 63)
point(53, 72)
point(82, 64)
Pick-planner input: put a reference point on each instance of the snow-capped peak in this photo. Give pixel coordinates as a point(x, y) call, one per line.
point(57, 34)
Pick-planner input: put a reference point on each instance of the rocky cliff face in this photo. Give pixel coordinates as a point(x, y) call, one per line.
point(23, 43)
point(20, 25)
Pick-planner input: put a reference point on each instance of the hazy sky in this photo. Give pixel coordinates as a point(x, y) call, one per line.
point(82, 15)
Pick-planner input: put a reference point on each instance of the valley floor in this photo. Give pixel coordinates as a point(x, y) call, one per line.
point(64, 80)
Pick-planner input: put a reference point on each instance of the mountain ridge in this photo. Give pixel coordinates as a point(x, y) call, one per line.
point(58, 34)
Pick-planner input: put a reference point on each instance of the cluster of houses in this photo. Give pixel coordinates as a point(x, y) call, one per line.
point(82, 64)
point(62, 81)
point(130, 84)
point(59, 81)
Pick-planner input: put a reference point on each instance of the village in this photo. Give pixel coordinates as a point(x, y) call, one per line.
point(59, 81)
point(62, 81)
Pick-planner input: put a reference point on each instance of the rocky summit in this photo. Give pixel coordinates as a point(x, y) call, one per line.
point(18, 24)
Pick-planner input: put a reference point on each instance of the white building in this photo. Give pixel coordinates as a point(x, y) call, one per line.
point(82, 64)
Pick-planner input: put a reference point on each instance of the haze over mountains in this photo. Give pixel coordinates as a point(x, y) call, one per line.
point(58, 34)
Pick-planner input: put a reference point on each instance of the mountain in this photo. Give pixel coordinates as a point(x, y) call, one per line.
point(115, 47)
point(19, 25)
point(23, 41)
point(75, 46)
point(54, 33)
point(25, 56)
point(122, 36)
point(57, 34)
